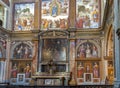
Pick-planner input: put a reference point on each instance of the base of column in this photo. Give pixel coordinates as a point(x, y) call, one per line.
point(117, 84)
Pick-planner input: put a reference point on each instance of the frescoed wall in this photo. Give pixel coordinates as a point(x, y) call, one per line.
point(87, 50)
point(23, 16)
point(87, 13)
point(54, 14)
point(22, 51)
point(88, 67)
point(18, 67)
point(40, 35)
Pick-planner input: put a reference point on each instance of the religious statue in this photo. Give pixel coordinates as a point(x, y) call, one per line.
point(51, 67)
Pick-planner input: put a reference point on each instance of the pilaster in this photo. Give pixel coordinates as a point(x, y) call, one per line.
point(8, 66)
point(116, 44)
point(72, 13)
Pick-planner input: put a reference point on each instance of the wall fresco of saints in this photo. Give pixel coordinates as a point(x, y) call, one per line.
point(21, 67)
point(88, 67)
point(54, 14)
point(24, 16)
point(22, 51)
point(87, 50)
point(87, 13)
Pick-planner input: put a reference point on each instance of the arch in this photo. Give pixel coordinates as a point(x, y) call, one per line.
point(107, 38)
point(92, 42)
point(30, 46)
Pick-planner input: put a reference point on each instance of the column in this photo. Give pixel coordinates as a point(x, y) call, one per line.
point(7, 61)
point(37, 14)
point(103, 62)
point(72, 62)
point(116, 44)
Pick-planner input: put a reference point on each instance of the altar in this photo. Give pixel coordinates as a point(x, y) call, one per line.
point(53, 59)
point(41, 78)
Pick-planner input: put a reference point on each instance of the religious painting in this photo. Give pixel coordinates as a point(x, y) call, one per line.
point(14, 70)
point(110, 72)
point(87, 50)
point(55, 49)
point(88, 77)
point(87, 13)
point(23, 16)
point(54, 14)
point(88, 67)
point(80, 70)
point(21, 78)
point(96, 70)
point(27, 70)
point(22, 51)
point(21, 67)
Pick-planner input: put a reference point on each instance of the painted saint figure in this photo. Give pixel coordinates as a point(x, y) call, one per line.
point(54, 10)
point(26, 52)
point(80, 70)
point(94, 51)
point(95, 70)
point(88, 68)
point(82, 51)
point(27, 71)
point(95, 15)
point(88, 51)
point(14, 71)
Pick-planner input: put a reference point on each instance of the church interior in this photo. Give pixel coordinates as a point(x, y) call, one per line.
point(59, 42)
